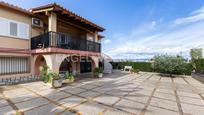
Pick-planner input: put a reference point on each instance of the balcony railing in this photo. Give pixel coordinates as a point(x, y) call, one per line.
point(65, 41)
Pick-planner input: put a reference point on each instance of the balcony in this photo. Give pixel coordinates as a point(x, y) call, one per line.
point(64, 41)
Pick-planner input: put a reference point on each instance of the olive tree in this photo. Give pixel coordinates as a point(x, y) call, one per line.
point(169, 64)
point(196, 55)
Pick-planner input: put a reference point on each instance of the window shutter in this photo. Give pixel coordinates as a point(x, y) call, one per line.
point(23, 31)
point(4, 27)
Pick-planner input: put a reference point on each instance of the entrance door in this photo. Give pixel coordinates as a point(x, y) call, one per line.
point(85, 67)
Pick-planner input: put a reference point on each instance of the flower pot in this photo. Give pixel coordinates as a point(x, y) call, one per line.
point(57, 83)
point(100, 75)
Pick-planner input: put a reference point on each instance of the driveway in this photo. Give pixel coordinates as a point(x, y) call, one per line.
point(116, 94)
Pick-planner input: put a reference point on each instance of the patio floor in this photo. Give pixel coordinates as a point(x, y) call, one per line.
point(116, 94)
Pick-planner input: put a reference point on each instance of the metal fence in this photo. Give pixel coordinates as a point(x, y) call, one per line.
point(65, 41)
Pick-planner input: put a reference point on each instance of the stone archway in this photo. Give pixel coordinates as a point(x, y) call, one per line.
point(40, 61)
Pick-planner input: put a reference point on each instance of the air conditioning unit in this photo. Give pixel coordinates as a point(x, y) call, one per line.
point(37, 22)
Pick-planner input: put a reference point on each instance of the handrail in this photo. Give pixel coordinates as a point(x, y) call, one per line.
point(64, 41)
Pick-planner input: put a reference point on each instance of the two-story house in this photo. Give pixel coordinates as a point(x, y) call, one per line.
point(47, 35)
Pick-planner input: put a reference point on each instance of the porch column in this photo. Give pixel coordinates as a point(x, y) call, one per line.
point(96, 36)
point(52, 19)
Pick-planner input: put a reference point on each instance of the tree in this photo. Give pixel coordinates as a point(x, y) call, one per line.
point(196, 54)
point(169, 64)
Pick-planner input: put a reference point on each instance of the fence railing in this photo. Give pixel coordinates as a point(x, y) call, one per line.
point(65, 41)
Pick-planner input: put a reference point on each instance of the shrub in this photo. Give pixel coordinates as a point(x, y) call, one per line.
point(142, 66)
point(169, 64)
point(199, 65)
point(97, 71)
point(44, 73)
point(69, 76)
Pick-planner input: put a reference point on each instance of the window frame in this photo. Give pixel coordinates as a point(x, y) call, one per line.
point(27, 33)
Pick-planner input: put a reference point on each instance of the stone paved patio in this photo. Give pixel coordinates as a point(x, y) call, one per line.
point(116, 94)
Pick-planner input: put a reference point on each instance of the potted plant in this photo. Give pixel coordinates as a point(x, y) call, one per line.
point(56, 81)
point(98, 72)
point(69, 78)
point(44, 73)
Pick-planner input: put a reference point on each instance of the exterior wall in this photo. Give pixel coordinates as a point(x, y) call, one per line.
point(54, 61)
point(12, 42)
point(9, 42)
point(73, 31)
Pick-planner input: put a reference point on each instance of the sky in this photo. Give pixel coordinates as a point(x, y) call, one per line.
point(140, 29)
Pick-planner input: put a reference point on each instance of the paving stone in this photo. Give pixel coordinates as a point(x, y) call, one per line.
point(3, 103)
point(112, 111)
point(38, 88)
point(89, 94)
point(17, 91)
point(191, 100)
point(117, 92)
point(90, 108)
point(165, 96)
point(187, 94)
point(137, 97)
point(50, 109)
point(159, 111)
point(7, 110)
point(21, 98)
point(88, 86)
point(143, 91)
point(67, 113)
point(171, 105)
point(73, 90)
point(27, 105)
point(102, 90)
point(54, 95)
point(167, 91)
point(71, 101)
point(130, 106)
point(107, 99)
point(192, 109)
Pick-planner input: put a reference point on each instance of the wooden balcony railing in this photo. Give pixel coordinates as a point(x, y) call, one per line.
point(64, 41)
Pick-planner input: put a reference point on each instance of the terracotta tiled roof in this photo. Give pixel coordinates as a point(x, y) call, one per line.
point(2, 3)
point(57, 7)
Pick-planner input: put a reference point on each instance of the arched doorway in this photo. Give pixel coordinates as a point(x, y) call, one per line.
point(76, 65)
point(65, 66)
point(40, 61)
point(86, 65)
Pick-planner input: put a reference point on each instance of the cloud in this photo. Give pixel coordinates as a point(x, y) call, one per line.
point(107, 41)
point(179, 41)
point(195, 16)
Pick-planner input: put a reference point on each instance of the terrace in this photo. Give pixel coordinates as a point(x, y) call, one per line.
point(119, 93)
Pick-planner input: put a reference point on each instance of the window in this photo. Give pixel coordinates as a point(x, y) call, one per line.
point(13, 29)
point(13, 65)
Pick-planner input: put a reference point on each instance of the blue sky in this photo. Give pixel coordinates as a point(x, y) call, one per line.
point(140, 28)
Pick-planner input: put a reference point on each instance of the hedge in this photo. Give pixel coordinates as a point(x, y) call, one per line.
point(142, 66)
point(146, 66)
